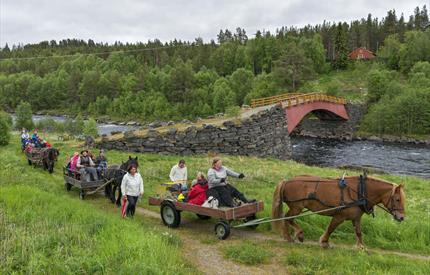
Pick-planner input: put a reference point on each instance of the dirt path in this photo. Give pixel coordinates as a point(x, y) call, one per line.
point(209, 259)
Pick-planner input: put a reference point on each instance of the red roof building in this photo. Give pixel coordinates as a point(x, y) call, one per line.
point(361, 53)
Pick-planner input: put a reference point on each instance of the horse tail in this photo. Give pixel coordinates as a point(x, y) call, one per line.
point(277, 204)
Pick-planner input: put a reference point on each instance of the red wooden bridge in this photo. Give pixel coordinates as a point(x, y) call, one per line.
point(297, 106)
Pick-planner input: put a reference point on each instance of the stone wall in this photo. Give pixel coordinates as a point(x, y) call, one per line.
point(334, 129)
point(263, 134)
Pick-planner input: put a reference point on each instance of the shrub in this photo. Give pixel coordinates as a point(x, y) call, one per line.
point(90, 128)
point(232, 111)
point(24, 116)
point(4, 129)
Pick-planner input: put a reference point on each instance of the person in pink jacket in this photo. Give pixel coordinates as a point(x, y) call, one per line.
point(74, 161)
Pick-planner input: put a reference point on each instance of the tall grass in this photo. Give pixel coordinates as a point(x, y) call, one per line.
point(44, 230)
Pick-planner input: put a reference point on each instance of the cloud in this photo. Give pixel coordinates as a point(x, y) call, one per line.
point(133, 20)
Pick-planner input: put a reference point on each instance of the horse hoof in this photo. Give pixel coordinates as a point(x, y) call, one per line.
point(300, 237)
point(360, 247)
point(288, 239)
point(325, 245)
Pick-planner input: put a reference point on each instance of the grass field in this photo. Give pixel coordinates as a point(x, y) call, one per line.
point(45, 229)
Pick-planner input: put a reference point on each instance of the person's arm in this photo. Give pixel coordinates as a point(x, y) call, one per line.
point(172, 174)
point(212, 179)
point(193, 193)
point(141, 185)
point(185, 175)
point(231, 173)
point(91, 162)
point(123, 185)
point(78, 163)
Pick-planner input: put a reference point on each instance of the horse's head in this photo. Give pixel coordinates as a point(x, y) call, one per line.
point(130, 161)
point(53, 154)
point(396, 203)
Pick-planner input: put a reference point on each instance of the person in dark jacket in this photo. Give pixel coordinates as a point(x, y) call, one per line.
point(197, 194)
point(219, 187)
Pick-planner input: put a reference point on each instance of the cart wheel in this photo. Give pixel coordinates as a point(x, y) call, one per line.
point(82, 194)
point(170, 216)
point(29, 162)
point(68, 186)
point(203, 217)
point(251, 218)
point(222, 230)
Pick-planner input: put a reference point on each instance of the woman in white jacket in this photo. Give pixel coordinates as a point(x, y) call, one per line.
point(132, 188)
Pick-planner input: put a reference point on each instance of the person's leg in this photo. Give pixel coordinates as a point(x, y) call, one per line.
point(129, 205)
point(133, 201)
point(237, 194)
point(225, 198)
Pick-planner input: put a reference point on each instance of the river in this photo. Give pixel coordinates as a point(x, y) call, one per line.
point(392, 158)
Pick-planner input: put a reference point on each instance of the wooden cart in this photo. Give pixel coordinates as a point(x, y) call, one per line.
point(170, 211)
point(34, 157)
point(73, 178)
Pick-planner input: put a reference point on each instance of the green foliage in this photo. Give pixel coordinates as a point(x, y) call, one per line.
point(49, 125)
point(293, 67)
point(378, 81)
point(74, 127)
point(404, 110)
point(24, 116)
point(233, 111)
point(248, 253)
point(5, 127)
point(390, 52)
point(416, 48)
point(340, 46)
point(90, 128)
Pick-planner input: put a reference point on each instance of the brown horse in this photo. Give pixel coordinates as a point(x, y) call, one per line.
point(352, 196)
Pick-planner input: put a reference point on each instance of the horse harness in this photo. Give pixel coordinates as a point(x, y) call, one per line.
point(362, 200)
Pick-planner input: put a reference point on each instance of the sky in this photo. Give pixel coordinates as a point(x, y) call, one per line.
point(33, 21)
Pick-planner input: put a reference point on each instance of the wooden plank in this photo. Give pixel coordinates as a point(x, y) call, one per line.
point(242, 211)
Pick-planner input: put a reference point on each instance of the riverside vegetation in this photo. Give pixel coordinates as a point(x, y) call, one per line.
point(45, 229)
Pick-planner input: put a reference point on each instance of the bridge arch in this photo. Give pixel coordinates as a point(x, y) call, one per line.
point(297, 106)
point(323, 110)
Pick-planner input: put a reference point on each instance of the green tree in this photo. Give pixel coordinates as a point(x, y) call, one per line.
point(378, 81)
point(293, 67)
point(4, 130)
point(224, 96)
point(24, 116)
point(340, 47)
point(416, 48)
point(90, 128)
point(241, 84)
point(390, 51)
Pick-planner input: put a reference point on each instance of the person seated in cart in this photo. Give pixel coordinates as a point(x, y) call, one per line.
point(71, 164)
point(219, 187)
point(86, 167)
point(197, 194)
point(24, 138)
point(101, 163)
point(178, 175)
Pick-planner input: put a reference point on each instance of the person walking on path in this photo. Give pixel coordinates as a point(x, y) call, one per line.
point(132, 188)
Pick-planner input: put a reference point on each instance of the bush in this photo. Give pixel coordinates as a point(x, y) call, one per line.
point(24, 116)
point(232, 111)
point(47, 125)
point(90, 128)
point(4, 129)
point(74, 127)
